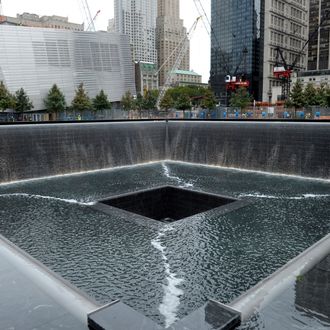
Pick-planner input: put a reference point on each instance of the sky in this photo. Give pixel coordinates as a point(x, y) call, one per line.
point(200, 41)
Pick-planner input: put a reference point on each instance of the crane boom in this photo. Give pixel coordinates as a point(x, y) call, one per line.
point(92, 22)
point(88, 16)
point(182, 51)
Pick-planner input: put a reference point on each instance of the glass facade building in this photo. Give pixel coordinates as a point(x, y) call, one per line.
point(36, 58)
point(236, 25)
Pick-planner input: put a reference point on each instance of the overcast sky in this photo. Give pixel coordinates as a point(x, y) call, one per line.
point(200, 44)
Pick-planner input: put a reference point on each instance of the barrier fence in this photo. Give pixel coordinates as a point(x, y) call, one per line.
point(254, 113)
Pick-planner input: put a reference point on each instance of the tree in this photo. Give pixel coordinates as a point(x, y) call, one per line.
point(55, 100)
point(81, 100)
point(6, 99)
point(167, 102)
point(208, 101)
point(321, 95)
point(241, 98)
point(127, 101)
point(150, 99)
point(310, 95)
point(297, 95)
point(22, 101)
point(138, 102)
point(183, 102)
point(101, 101)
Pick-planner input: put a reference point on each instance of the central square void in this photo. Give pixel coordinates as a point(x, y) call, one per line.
point(167, 203)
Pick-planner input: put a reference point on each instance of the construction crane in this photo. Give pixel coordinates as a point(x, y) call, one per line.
point(91, 24)
point(88, 17)
point(233, 80)
point(283, 71)
point(182, 50)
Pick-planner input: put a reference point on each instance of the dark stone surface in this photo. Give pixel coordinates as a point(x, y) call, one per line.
point(23, 306)
point(313, 290)
point(118, 316)
point(212, 316)
point(167, 203)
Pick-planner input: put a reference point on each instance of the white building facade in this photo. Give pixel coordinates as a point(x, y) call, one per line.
point(137, 19)
point(37, 58)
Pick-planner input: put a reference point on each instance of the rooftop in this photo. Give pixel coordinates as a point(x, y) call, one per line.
point(190, 72)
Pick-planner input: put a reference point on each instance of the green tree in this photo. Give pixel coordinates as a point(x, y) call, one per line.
point(208, 100)
point(198, 97)
point(7, 100)
point(183, 102)
point(167, 102)
point(81, 101)
point(138, 104)
point(321, 95)
point(101, 101)
point(310, 95)
point(127, 101)
point(241, 98)
point(22, 101)
point(150, 99)
point(297, 96)
point(55, 100)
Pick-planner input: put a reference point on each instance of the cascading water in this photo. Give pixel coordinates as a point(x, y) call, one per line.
point(172, 292)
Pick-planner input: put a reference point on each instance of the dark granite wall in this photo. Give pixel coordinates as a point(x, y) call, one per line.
point(30, 151)
point(283, 147)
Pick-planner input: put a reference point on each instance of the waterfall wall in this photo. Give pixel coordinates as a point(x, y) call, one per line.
point(297, 148)
point(31, 151)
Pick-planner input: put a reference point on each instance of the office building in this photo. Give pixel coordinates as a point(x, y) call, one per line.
point(186, 77)
point(146, 76)
point(36, 58)
point(319, 44)
point(260, 27)
point(170, 33)
point(33, 20)
point(286, 27)
point(137, 19)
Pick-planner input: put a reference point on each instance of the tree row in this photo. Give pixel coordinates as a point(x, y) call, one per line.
point(54, 101)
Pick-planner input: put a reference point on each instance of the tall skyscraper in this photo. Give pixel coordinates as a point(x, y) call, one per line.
point(170, 32)
point(319, 45)
point(258, 27)
point(236, 43)
point(137, 19)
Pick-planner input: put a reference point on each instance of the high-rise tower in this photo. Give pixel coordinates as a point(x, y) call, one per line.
point(169, 34)
point(260, 26)
point(319, 45)
point(236, 39)
point(137, 19)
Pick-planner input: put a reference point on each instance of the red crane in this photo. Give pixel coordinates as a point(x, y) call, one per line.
point(283, 71)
